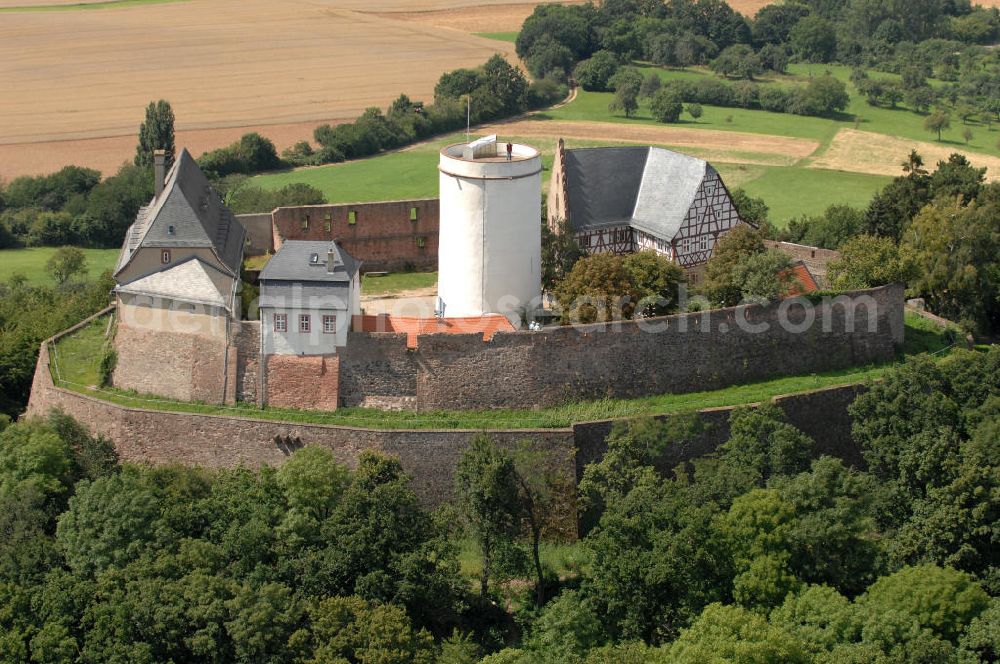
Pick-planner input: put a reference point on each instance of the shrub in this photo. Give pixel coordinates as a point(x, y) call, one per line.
point(595, 73)
point(666, 106)
point(108, 363)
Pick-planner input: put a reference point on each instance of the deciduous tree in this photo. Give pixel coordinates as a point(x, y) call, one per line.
point(156, 133)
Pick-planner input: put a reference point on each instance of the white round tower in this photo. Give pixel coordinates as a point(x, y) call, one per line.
point(490, 243)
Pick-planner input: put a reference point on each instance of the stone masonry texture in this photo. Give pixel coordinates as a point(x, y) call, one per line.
point(428, 456)
point(247, 344)
point(187, 367)
point(685, 353)
point(306, 382)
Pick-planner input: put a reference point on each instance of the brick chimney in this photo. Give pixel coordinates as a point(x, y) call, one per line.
point(159, 170)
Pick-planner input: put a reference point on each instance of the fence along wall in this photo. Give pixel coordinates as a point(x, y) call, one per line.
point(684, 353)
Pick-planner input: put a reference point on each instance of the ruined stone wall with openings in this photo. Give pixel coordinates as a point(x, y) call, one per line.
point(392, 235)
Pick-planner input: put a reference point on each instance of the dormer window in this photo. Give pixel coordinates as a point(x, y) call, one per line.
point(165, 256)
point(171, 230)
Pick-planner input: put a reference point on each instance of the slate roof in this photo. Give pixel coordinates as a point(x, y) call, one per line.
point(187, 213)
point(187, 281)
point(648, 188)
point(291, 279)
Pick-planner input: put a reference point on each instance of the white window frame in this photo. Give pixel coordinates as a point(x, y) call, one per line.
point(165, 256)
point(281, 322)
point(329, 324)
point(305, 323)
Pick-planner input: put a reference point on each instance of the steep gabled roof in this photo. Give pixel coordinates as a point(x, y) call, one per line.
point(602, 185)
point(648, 188)
point(187, 281)
point(297, 276)
point(293, 262)
point(187, 213)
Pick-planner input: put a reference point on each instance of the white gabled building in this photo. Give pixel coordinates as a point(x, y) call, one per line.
point(308, 293)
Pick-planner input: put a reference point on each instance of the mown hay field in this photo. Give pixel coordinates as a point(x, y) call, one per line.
point(74, 76)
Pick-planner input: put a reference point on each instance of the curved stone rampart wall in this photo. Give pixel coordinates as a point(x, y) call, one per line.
point(683, 353)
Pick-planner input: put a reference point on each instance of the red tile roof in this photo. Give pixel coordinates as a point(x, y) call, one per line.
point(801, 280)
point(487, 325)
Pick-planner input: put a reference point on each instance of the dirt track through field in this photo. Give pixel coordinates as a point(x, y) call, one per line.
point(878, 154)
point(719, 145)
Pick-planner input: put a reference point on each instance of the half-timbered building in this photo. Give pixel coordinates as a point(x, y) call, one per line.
point(626, 199)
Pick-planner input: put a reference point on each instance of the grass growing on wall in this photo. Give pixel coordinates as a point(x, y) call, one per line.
point(31, 262)
point(89, 345)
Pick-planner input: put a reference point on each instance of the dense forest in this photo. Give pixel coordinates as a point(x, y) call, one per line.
point(916, 41)
point(762, 552)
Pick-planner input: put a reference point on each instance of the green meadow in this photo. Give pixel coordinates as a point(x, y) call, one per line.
point(31, 262)
point(789, 190)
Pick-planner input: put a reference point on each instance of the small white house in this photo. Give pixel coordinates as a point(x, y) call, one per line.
point(308, 293)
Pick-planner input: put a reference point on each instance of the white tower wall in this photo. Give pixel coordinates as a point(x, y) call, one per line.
point(489, 245)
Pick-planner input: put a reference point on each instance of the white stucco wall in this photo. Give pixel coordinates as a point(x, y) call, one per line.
point(293, 342)
point(316, 341)
point(489, 253)
point(160, 314)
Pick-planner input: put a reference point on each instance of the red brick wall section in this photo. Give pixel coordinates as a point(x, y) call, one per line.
point(308, 382)
point(383, 235)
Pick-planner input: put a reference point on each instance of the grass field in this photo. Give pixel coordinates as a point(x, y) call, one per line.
point(77, 358)
point(410, 173)
point(88, 344)
point(397, 282)
point(499, 36)
point(793, 191)
point(565, 559)
point(31, 263)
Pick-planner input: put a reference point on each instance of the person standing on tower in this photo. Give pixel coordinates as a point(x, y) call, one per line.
point(510, 150)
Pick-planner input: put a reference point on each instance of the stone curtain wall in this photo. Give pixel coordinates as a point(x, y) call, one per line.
point(553, 366)
point(247, 345)
point(820, 414)
point(308, 382)
point(186, 367)
point(377, 367)
point(428, 456)
point(259, 234)
point(383, 235)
